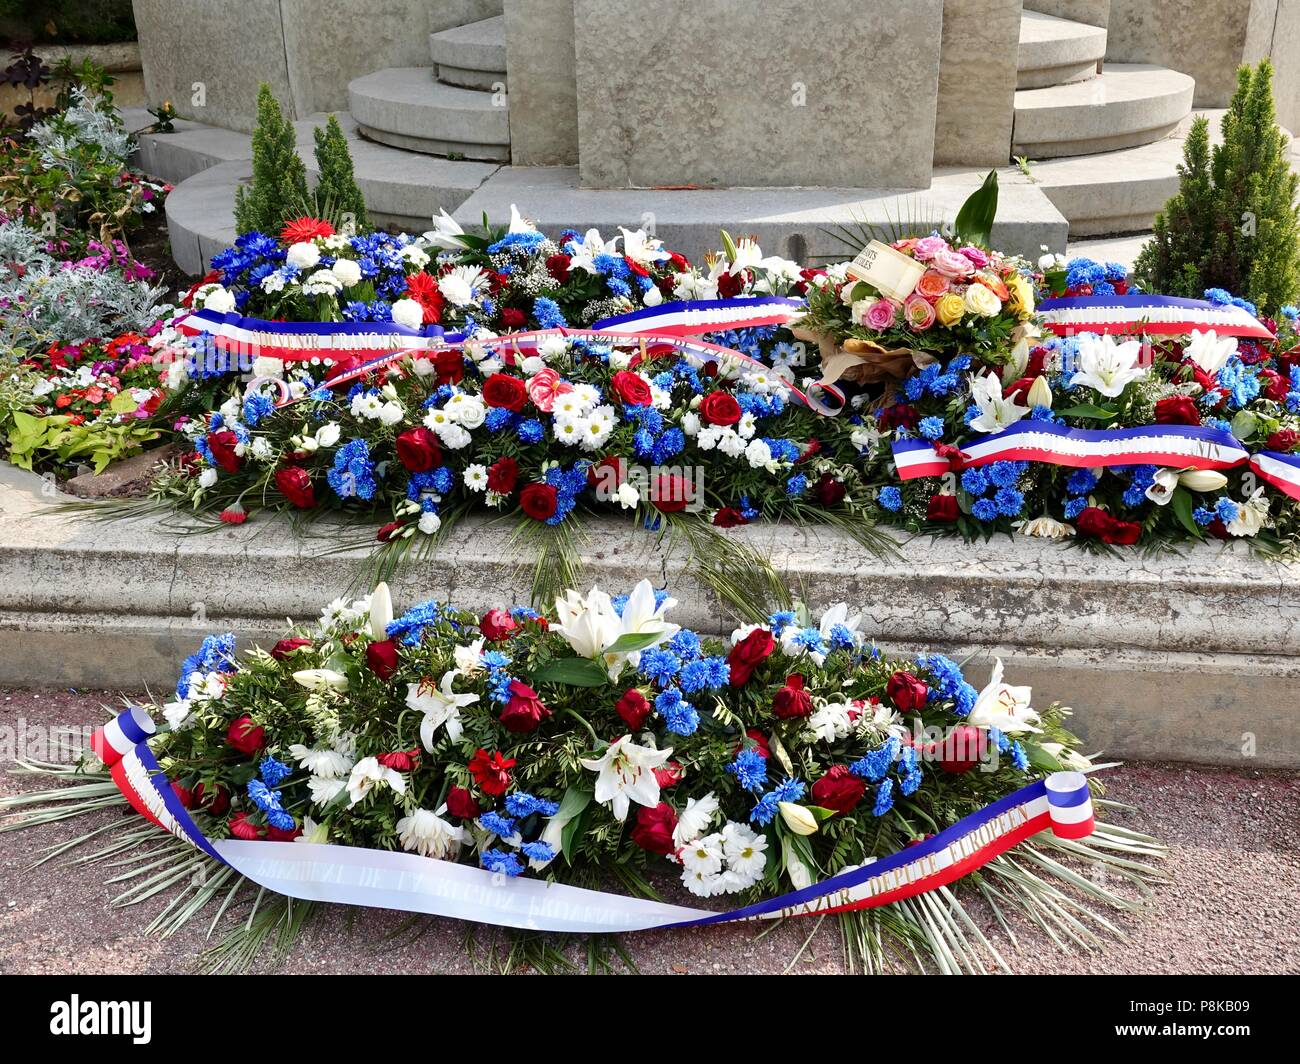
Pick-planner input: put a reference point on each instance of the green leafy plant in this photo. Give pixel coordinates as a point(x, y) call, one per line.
point(337, 188)
point(1233, 223)
point(279, 188)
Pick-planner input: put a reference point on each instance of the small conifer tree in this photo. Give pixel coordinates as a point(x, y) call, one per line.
point(336, 191)
point(1233, 223)
point(279, 188)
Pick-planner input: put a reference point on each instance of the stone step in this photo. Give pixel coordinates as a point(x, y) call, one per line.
point(471, 56)
point(1119, 191)
point(1121, 249)
point(190, 150)
point(201, 214)
point(798, 223)
point(1126, 105)
point(404, 107)
point(1056, 51)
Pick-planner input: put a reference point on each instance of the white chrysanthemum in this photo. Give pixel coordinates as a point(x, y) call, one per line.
point(587, 394)
point(325, 762)
point(366, 405)
point(178, 715)
point(304, 255)
point(745, 851)
point(324, 790)
point(703, 855)
point(460, 286)
point(550, 348)
point(691, 423)
point(426, 833)
point(708, 437)
point(702, 884)
point(695, 819)
point(407, 312)
point(830, 721)
point(747, 426)
point(758, 454)
point(475, 477)
point(569, 430)
point(731, 443)
point(348, 272)
point(596, 430)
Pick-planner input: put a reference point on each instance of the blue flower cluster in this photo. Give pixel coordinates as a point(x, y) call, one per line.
point(353, 474)
point(262, 794)
point(995, 489)
point(215, 654)
point(679, 668)
point(523, 805)
point(949, 683)
point(410, 626)
point(1222, 298)
point(750, 769)
point(765, 810)
point(935, 380)
point(1101, 276)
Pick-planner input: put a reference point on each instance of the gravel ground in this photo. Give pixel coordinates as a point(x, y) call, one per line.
point(1234, 868)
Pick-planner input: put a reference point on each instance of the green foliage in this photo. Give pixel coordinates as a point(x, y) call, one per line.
point(974, 221)
point(279, 188)
point(83, 21)
point(337, 193)
point(1233, 223)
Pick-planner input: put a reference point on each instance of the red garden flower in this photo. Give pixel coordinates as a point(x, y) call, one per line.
point(245, 736)
point(729, 517)
point(525, 711)
point(418, 449)
point(838, 789)
point(672, 493)
point(633, 708)
point(401, 760)
point(746, 655)
point(497, 625)
point(942, 508)
point(503, 474)
point(720, 408)
point(382, 658)
point(285, 647)
point(792, 700)
point(829, 491)
point(491, 771)
point(1177, 410)
point(1282, 440)
point(503, 390)
point(294, 483)
point(300, 230)
point(424, 290)
point(631, 388)
point(462, 804)
point(539, 501)
point(243, 828)
point(513, 318)
point(450, 367)
point(274, 834)
point(654, 828)
point(961, 750)
point(1095, 521)
point(907, 692)
point(222, 444)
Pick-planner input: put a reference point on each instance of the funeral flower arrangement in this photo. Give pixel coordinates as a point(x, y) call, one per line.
point(601, 743)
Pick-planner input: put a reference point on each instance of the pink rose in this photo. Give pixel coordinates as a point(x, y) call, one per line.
point(881, 314)
point(976, 255)
point(953, 264)
point(928, 247)
point(919, 313)
point(545, 387)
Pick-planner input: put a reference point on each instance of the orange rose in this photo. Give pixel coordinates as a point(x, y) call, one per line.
point(932, 285)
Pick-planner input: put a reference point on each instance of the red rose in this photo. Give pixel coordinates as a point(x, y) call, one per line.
point(631, 388)
point(1282, 440)
point(1018, 389)
point(400, 760)
point(719, 408)
point(242, 828)
point(183, 795)
point(450, 366)
point(679, 262)
point(671, 493)
point(792, 700)
point(524, 711)
point(506, 391)
point(669, 774)
point(1177, 410)
point(611, 468)
point(244, 736)
point(633, 708)
point(1095, 521)
point(1275, 386)
point(222, 445)
point(513, 318)
point(294, 483)
point(761, 746)
point(274, 834)
point(462, 804)
point(745, 656)
point(558, 267)
point(829, 491)
point(538, 501)
point(216, 803)
point(418, 449)
point(654, 828)
point(838, 789)
point(906, 691)
point(382, 658)
point(491, 771)
point(388, 531)
point(962, 748)
point(729, 517)
point(730, 284)
point(285, 647)
point(497, 625)
point(503, 475)
point(942, 508)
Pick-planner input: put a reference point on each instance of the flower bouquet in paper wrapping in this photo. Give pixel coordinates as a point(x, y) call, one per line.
point(599, 768)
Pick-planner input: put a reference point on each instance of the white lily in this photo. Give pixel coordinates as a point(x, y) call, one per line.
point(625, 774)
point(518, 223)
point(996, 413)
point(1208, 351)
point(641, 248)
point(588, 623)
point(1202, 479)
point(469, 659)
point(1252, 515)
point(1069, 759)
point(368, 773)
point(642, 616)
point(445, 232)
point(1162, 486)
point(1003, 707)
point(748, 256)
point(381, 611)
point(583, 253)
point(313, 832)
point(321, 680)
point(1107, 366)
point(837, 616)
point(440, 706)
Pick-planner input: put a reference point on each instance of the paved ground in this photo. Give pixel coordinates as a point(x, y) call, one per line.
point(1234, 864)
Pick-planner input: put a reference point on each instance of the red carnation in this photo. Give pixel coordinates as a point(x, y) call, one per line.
point(285, 647)
point(631, 388)
point(491, 771)
point(961, 750)
point(497, 625)
point(525, 711)
point(671, 493)
point(246, 737)
point(730, 284)
point(503, 390)
point(294, 483)
point(503, 474)
point(462, 804)
point(1095, 521)
point(633, 708)
point(654, 828)
point(401, 760)
point(906, 691)
point(418, 449)
point(829, 491)
point(382, 658)
point(942, 508)
point(300, 230)
point(233, 515)
point(679, 262)
point(450, 366)
point(243, 828)
point(745, 656)
point(729, 517)
point(222, 445)
point(513, 318)
point(838, 789)
point(1282, 440)
point(538, 501)
point(792, 700)
point(1177, 410)
point(719, 408)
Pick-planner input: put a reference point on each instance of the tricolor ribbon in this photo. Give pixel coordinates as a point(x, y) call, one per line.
point(387, 879)
point(1152, 315)
point(1280, 470)
point(1032, 440)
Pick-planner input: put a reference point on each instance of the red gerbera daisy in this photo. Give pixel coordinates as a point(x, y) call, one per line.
point(491, 771)
point(300, 230)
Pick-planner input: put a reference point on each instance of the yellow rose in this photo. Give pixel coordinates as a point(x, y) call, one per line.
point(1022, 297)
point(981, 300)
point(950, 309)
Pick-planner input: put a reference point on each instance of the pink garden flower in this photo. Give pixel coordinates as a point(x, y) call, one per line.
point(545, 387)
point(881, 314)
point(919, 313)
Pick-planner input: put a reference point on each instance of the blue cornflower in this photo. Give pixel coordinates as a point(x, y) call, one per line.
point(352, 475)
point(796, 485)
point(497, 824)
point(949, 683)
point(280, 820)
point(750, 769)
point(1004, 474)
point(538, 851)
point(501, 862)
point(521, 805)
point(679, 716)
point(975, 481)
point(659, 665)
point(1226, 510)
point(1202, 516)
point(891, 498)
point(1074, 507)
point(1019, 758)
point(262, 796)
point(1081, 481)
point(984, 510)
point(685, 644)
point(1008, 502)
point(530, 431)
point(931, 428)
point(911, 781)
point(273, 771)
point(411, 625)
point(884, 798)
point(877, 762)
point(256, 407)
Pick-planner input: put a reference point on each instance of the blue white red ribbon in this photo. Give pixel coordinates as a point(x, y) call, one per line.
point(1032, 440)
point(1282, 471)
point(407, 882)
point(1153, 315)
point(702, 316)
point(298, 341)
